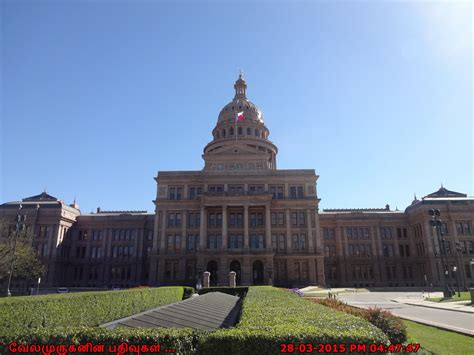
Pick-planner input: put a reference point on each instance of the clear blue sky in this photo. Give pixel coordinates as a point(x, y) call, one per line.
point(97, 96)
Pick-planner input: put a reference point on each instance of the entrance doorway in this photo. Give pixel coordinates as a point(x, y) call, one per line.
point(257, 272)
point(235, 266)
point(213, 268)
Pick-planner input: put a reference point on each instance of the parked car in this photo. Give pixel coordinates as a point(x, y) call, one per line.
point(62, 290)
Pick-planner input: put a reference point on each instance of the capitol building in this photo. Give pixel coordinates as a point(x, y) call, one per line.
point(241, 213)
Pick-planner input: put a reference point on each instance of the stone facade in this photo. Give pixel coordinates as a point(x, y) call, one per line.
point(240, 213)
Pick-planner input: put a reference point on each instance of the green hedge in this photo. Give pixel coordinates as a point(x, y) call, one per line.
point(240, 291)
point(80, 309)
point(188, 292)
point(271, 316)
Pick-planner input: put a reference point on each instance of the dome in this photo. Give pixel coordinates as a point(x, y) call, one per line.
point(240, 103)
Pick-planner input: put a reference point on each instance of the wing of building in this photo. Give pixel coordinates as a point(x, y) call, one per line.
point(240, 213)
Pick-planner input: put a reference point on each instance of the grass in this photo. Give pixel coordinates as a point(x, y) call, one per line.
point(465, 296)
point(439, 341)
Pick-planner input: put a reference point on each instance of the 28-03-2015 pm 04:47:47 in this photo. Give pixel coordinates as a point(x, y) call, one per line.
point(343, 348)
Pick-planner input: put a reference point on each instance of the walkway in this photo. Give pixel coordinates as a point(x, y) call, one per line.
point(206, 312)
point(409, 305)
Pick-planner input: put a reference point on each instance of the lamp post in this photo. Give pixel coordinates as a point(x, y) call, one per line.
point(20, 226)
point(436, 223)
point(459, 261)
point(455, 269)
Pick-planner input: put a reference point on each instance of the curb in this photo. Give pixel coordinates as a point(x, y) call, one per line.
point(439, 326)
point(434, 307)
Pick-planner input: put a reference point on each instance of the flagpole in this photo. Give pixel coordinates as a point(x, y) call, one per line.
point(235, 132)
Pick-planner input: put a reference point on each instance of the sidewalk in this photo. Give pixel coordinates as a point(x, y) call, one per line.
point(459, 306)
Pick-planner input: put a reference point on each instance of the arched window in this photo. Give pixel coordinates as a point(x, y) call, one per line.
point(231, 131)
point(217, 134)
point(223, 133)
point(257, 133)
point(263, 135)
point(249, 131)
point(240, 131)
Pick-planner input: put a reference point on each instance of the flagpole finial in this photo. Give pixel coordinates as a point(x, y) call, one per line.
point(241, 73)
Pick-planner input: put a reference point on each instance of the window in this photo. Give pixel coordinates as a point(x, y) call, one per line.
point(223, 133)
point(299, 242)
point(296, 191)
point(256, 188)
point(301, 270)
point(149, 235)
point(256, 219)
point(386, 233)
point(236, 188)
point(122, 251)
point(215, 188)
point(175, 193)
point(278, 242)
point(278, 219)
point(257, 241)
point(194, 191)
point(215, 219)
point(298, 219)
point(360, 250)
point(236, 241)
point(328, 234)
point(391, 272)
point(402, 233)
point(97, 234)
point(148, 251)
point(418, 231)
point(404, 250)
point(171, 270)
point(236, 219)
point(240, 131)
point(277, 191)
point(330, 251)
point(214, 241)
point(192, 242)
point(194, 219)
point(96, 252)
point(388, 250)
point(174, 220)
point(81, 234)
point(231, 131)
point(463, 228)
point(354, 233)
point(257, 133)
point(173, 243)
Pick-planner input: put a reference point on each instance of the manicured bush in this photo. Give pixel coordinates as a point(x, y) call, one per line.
point(188, 291)
point(239, 291)
point(183, 341)
point(80, 309)
point(390, 325)
point(386, 321)
point(271, 316)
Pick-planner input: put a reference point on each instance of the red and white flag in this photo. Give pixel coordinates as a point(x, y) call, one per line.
point(240, 116)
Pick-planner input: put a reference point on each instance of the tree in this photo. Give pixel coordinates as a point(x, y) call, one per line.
point(27, 263)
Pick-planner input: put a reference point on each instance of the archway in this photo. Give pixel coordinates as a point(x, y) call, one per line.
point(257, 272)
point(235, 266)
point(213, 268)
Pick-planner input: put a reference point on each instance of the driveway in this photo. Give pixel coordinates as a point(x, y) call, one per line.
point(442, 318)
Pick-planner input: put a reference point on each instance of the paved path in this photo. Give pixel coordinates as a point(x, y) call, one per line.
point(461, 322)
point(210, 311)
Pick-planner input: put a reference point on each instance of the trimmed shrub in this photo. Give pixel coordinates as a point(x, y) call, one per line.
point(271, 316)
point(239, 291)
point(187, 292)
point(183, 341)
point(80, 309)
point(384, 320)
point(390, 325)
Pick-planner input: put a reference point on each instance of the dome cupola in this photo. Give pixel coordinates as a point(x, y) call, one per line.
point(240, 133)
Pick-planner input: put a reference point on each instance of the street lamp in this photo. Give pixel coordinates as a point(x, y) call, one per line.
point(455, 269)
point(436, 223)
point(20, 226)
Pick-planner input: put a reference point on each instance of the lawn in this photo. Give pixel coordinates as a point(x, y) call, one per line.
point(465, 296)
point(439, 341)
